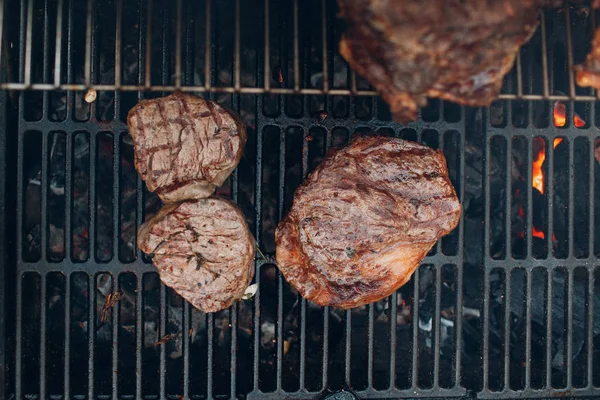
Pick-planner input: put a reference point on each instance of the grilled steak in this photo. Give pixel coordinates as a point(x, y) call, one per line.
point(588, 73)
point(202, 249)
point(457, 50)
point(185, 146)
point(364, 219)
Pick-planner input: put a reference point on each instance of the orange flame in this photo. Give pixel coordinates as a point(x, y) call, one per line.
point(560, 116)
point(536, 233)
point(537, 178)
point(557, 141)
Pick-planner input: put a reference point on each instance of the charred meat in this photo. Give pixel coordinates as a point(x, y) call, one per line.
point(203, 250)
point(362, 222)
point(451, 49)
point(185, 146)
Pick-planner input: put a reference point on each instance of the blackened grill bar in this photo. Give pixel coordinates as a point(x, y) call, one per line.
point(529, 306)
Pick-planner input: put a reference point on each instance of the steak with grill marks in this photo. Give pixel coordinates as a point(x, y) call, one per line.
point(202, 249)
point(456, 50)
point(364, 219)
point(185, 146)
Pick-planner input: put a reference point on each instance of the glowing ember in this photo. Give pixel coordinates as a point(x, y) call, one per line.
point(536, 233)
point(560, 116)
point(537, 178)
point(557, 141)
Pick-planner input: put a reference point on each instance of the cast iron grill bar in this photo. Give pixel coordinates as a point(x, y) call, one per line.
point(528, 276)
point(186, 337)
point(148, 46)
point(207, 47)
point(348, 343)
point(2, 27)
point(91, 327)
point(324, 46)
point(67, 342)
point(569, 329)
point(89, 45)
point(415, 334)
point(178, 27)
point(18, 339)
point(118, 26)
point(393, 319)
point(370, 347)
point(237, 52)
point(58, 46)
point(437, 321)
point(42, 336)
point(508, 273)
point(550, 291)
point(162, 333)
point(486, 271)
point(570, 50)
point(590, 328)
point(115, 311)
point(233, 354)
point(28, 41)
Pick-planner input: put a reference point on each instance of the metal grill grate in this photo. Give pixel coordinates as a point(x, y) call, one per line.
point(507, 306)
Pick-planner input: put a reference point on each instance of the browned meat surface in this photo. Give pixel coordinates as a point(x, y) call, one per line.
point(588, 73)
point(203, 250)
point(185, 146)
point(457, 50)
point(364, 219)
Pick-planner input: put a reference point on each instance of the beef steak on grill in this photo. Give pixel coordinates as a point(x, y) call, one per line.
point(202, 249)
point(588, 73)
point(364, 219)
point(457, 50)
point(185, 146)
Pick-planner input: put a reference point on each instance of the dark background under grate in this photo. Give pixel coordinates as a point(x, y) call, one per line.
point(506, 306)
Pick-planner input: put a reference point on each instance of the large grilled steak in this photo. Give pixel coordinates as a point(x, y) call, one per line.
point(185, 146)
point(364, 219)
point(202, 249)
point(457, 50)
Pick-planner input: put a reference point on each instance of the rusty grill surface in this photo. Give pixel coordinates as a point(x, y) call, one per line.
point(507, 306)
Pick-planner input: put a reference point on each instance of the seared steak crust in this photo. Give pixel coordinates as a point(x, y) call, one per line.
point(457, 50)
point(364, 219)
point(203, 250)
point(185, 146)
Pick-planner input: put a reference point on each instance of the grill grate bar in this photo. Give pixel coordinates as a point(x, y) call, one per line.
point(18, 340)
point(348, 342)
point(115, 310)
point(569, 329)
point(163, 332)
point(415, 335)
point(233, 354)
point(569, 43)
point(58, 46)
point(67, 342)
point(507, 324)
point(42, 336)
point(550, 291)
point(2, 27)
point(237, 52)
point(89, 43)
point(28, 41)
point(118, 34)
point(590, 327)
point(186, 337)
point(529, 277)
point(437, 321)
point(324, 46)
point(208, 46)
point(296, 48)
point(148, 45)
point(393, 319)
point(178, 27)
point(370, 355)
point(139, 326)
point(91, 329)
point(325, 364)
